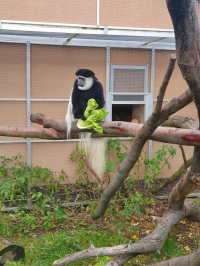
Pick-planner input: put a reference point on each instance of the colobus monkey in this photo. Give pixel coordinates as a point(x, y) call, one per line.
point(87, 86)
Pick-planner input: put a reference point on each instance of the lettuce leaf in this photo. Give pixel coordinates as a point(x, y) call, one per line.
point(93, 117)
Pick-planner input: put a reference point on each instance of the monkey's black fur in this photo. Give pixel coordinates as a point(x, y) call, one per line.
point(85, 73)
point(81, 97)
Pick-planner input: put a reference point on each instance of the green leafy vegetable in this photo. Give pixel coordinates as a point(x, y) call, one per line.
point(93, 117)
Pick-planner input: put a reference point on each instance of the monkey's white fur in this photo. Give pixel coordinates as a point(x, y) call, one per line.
point(69, 118)
point(95, 152)
point(88, 83)
point(94, 148)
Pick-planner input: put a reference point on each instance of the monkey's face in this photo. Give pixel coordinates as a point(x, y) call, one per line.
point(81, 81)
point(84, 83)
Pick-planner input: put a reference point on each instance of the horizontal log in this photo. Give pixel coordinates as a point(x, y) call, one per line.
point(31, 132)
point(188, 137)
point(171, 135)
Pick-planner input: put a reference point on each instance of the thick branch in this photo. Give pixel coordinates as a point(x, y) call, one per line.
point(191, 260)
point(31, 132)
point(48, 122)
point(186, 27)
point(180, 122)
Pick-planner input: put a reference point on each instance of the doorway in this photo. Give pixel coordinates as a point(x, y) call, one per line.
point(128, 113)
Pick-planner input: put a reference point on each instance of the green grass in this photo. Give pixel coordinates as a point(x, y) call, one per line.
point(46, 247)
point(45, 250)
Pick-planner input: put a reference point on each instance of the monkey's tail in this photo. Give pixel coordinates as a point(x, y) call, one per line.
point(69, 118)
point(95, 152)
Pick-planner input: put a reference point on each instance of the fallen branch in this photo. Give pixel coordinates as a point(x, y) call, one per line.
point(151, 243)
point(191, 260)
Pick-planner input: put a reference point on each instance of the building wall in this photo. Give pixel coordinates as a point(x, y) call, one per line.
point(118, 13)
point(54, 11)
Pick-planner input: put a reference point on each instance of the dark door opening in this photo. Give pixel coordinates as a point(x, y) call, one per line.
point(128, 112)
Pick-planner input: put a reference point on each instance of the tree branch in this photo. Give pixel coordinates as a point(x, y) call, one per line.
point(184, 158)
point(192, 260)
point(31, 132)
point(186, 28)
point(180, 122)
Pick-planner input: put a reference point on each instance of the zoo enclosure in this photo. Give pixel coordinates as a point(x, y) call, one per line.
point(126, 43)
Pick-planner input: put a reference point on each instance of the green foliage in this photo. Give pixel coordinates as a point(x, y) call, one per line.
point(116, 145)
point(102, 261)
point(17, 186)
point(196, 201)
point(136, 200)
point(155, 165)
point(76, 156)
point(135, 203)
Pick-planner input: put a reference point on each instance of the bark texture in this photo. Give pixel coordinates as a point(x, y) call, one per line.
point(189, 260)
point(180, 122)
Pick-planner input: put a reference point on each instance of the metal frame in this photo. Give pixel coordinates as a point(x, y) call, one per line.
point(29, 26)
point(28, 102)
point(85, 35)
point(108, 103)
point(145, 93)
point(97, 13)
point(152, 96)
point(85, 42)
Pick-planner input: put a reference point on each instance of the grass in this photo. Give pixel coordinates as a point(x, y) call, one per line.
point(43, 250)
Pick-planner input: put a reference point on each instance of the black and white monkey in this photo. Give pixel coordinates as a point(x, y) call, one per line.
point(87, 86)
